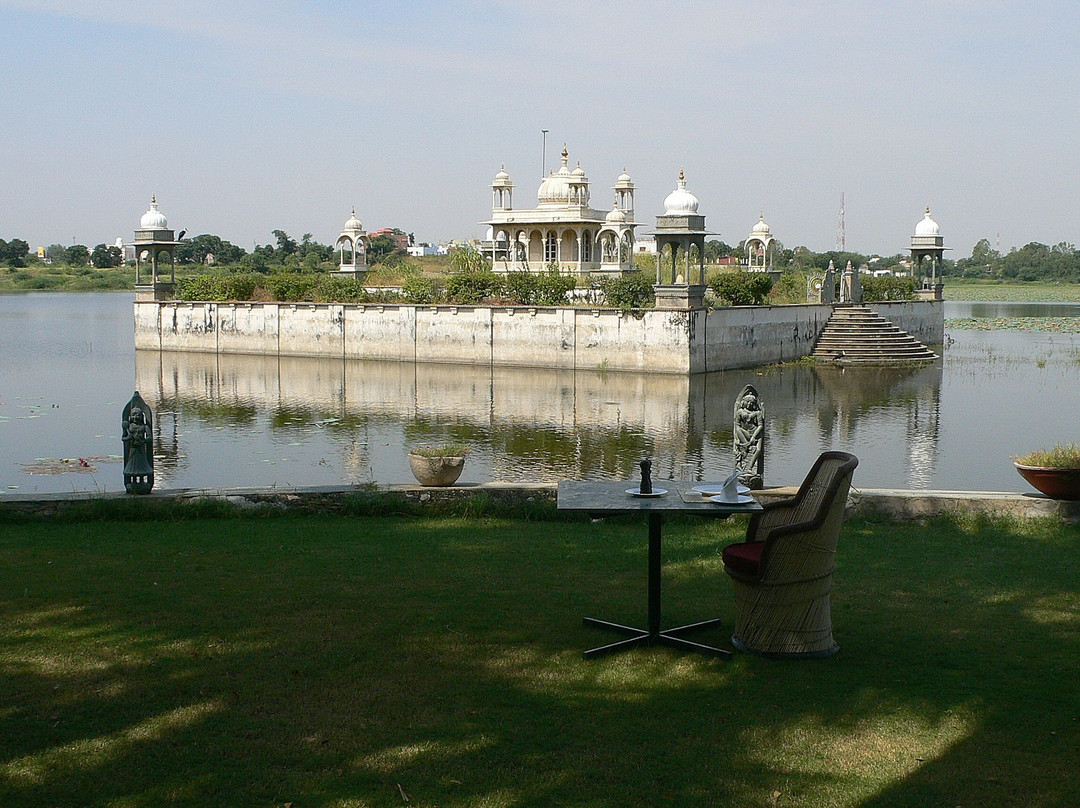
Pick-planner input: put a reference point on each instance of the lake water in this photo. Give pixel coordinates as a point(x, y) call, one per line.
point(225, 421)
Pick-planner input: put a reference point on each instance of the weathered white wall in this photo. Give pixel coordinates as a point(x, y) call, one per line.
point(924, 320)
point(659, 340)
point(744, 336)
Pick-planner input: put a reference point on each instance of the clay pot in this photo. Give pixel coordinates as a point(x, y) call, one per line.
point(1056, 483)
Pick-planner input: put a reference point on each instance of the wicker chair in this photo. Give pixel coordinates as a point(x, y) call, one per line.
point(782, 573)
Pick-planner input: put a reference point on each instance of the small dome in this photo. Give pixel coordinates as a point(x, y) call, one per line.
point(615, 216)
point(352, 223)
point(927, 227)
point(502, 179)
point(153, 219)
point(681, 202)
point(579, 172)
point(761, 229)
point(624, 180)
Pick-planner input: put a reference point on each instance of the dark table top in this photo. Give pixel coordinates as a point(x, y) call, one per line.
point(609, 496)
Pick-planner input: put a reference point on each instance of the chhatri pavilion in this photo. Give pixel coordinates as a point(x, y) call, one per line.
point(563, 228)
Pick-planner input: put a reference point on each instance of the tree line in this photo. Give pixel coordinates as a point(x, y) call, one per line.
point(284, 254)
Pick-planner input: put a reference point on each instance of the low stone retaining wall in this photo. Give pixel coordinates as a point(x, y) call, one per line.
point(656, 340)
point(901, 505)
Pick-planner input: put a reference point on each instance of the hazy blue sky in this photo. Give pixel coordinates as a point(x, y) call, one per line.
point(246, 117)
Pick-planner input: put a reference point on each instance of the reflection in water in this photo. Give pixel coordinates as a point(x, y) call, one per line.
point(530, 424)
point(263, 421)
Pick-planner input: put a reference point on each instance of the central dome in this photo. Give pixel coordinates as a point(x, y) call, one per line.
point(927, 227)
point(681, 202)
point(555, 189)
point(153, 219)
point(761, 228)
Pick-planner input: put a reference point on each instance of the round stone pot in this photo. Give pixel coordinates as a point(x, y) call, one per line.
point(1056, 483)
point(437, 471)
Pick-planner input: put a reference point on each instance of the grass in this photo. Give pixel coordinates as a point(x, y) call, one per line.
point(334, 661)
point(1062, 456)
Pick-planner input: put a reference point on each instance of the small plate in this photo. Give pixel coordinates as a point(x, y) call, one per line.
point(656, 492)
point(715, 490)
point(744, 499)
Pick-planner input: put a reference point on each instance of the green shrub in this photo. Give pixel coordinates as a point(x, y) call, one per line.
point(290, 287)
point(522, 287)
point(547, 288)
point(631, 291)
point(552, 288)
point(887, 287)
point(469, 288)
point(340, 290)
point(216, 287)
point(420, 290)
point(741, 288)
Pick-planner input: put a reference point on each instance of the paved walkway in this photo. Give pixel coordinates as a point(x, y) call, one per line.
point(892, 503)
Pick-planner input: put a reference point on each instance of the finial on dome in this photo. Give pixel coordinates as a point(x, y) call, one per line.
point(153, 200)
point(565, 153)
point(927, 210)
point(682, 176)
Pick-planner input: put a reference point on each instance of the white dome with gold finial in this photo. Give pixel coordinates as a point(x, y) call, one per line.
point(681, 202)
point(761, 229)
point(153, 219)
point(927, 227)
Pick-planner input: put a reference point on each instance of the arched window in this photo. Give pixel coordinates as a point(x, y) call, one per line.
point(586, 246)
point(551, 247)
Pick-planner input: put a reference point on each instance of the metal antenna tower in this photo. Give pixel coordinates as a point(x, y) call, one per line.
point(841, 236)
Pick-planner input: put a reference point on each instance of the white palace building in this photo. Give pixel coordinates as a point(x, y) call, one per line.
point(563, 228)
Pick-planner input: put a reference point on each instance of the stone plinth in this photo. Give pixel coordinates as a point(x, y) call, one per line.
point(679, 296)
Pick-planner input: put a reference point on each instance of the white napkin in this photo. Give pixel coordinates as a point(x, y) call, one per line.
point(730, 489)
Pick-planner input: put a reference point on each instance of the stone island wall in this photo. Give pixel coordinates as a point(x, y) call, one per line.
point(656, 340)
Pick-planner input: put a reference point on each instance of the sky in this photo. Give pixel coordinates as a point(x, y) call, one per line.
point(243, 118)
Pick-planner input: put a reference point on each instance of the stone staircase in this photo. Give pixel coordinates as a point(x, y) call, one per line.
point(857, 334)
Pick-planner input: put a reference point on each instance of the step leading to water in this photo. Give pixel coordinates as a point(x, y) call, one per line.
point(858, 334)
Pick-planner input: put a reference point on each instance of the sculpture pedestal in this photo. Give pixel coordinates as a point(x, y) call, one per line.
point(679, 296)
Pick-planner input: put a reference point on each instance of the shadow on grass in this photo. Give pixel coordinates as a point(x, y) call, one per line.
point(328, 661)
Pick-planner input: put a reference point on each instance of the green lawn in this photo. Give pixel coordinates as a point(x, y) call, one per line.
point(436, 661)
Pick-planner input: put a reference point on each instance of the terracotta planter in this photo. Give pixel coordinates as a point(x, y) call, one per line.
point(436, 471)
point(1056, 483)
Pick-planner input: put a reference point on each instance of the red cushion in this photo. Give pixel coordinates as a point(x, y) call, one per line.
point(744, 557)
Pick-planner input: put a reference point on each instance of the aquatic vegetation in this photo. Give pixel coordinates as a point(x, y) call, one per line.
point(1059, 325)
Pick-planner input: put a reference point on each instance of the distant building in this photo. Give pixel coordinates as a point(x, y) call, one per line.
point(354, 240)
point(563, 229)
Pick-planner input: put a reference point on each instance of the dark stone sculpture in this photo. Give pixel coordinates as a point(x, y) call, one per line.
point(646, 477)
point(137, 433)
point(750, 438)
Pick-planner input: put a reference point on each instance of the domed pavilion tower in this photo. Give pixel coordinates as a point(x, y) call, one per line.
point(760, 248)
point(355, 240)
point(680, 277)
point(928, 244)
point(155, 246)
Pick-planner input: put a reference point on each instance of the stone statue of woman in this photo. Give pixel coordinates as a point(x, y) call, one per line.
point(749, 436)
point(136, 430)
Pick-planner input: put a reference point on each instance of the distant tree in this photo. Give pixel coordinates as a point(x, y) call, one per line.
point(14, 252)
point(312, 252)
point(195, 250)
point(77, 255)
point(105, 257)
point(716, 249)
point(285, 245)
point(384, 250)
point(56, 253)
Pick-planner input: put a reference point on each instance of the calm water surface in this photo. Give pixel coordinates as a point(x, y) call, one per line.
point(225, 421)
